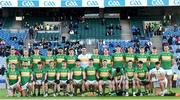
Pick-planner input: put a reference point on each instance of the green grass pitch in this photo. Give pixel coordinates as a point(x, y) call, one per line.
point(3, 95)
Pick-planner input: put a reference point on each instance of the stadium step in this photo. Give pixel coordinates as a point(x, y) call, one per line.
point(16, 25)
point(157, 42)
point(126, 33)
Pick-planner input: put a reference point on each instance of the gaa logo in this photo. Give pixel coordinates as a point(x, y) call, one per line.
point(92, 3)
point(135, 2)
point(49, 4)
point(5, 3)
point(157, 2)
point(71, 3)
point(27, 3)
point(113, 3)
point(176, 2)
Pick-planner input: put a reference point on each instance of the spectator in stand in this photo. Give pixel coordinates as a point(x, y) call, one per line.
point(41, 27)
point(170, 40)
point(87, 26)
point(118, 26)
point(133, 30)
point(175, 27)
point(31, 33)
point(71, 25)
point(47, 27)
point(178, 40)
point(111, 26)
point(2, 42)
point(1, 24)
point(174, 43)
point(71, 32)
point(13, 38)
point(138, 32)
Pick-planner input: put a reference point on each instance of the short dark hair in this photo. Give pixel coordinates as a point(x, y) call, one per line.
point(64, 61)
point(118, 46)
point(142, 47)
point(71, 49)
point(154, 48)
point(96, 48)
point(157, 63)
point(51, 61)
point(91, 59)
point(49, 49)
point(40, 63)
point(140, 62)
point(36, 48)
point(60, 48)
point(78, 60)
point(25, 61)
point(105, 60)
point(130, 61)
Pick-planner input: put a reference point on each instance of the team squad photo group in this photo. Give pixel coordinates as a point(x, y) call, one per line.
point(121, 73)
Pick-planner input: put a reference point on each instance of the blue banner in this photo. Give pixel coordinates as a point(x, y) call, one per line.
point(114, 3)
point(28, 3)
point(71, 3)
point(88, 3)
point(157, 2)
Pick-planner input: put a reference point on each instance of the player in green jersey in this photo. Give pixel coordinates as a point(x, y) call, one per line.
point(49, 57)
point(60, 57)
point(26, 79)
point(78, 76)
point(13, 80)
point(167, 63)
point(38, 77)
point(96, 58)
point(25, 57)
point(50, 77)
point(130, 56)
point(12, 59)
point(105, 78)
point(35, 58)
point(71, 59)
point(118, 58)
point(154, 57)
point(141, 77)
point(118, 83)
point(107, 57)
point(91, 82)
point(63, 78)
point(129, 78)
point(142, 56)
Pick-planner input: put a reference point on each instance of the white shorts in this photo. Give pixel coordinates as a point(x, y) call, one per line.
point(51, 82)
point(168, 71)
point(38, 82)
point(106, 82)
point(25, 86)
point(63, 82)
point(91, 82)
point(156, 84)
point(13, 86)
point(178, 83)
point(77, 81)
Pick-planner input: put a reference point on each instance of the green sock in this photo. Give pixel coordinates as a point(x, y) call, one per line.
point(134, 90)
point(126, 90)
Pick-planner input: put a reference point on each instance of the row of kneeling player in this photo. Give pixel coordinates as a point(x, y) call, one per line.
point(25, 82)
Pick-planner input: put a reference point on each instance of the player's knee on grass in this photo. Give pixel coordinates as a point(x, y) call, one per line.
point(101, 83)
